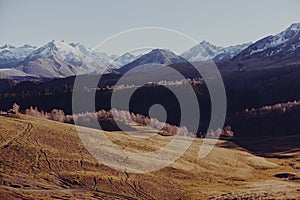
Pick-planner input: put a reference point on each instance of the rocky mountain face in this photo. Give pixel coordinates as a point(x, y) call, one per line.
point(277, 47)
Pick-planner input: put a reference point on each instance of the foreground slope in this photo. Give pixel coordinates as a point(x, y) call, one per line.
point(43, 159)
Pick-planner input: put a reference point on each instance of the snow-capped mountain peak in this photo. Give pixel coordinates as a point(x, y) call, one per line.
point(81, 48)
point(16, 50)
point(205, 51)
point(201, 52)
point(294, 27)
point(60, 59)
point(124, 59)
point(28, 46)
point(10, 55)
point(207, 45)
point(229, 52)
point(280, 45)
point(6, 47)
point(56, 48)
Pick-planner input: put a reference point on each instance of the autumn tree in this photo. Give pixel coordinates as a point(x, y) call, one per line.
point(16, 108)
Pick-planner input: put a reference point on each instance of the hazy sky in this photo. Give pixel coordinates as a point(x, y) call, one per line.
point(90, 22)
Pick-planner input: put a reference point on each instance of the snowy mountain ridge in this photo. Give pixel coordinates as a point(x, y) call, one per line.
point(283, 44)
point(10, 55)
point(205, 51)
point(62, 59)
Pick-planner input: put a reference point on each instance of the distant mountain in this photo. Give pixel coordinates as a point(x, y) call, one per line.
point(98, 57)
point(282, 46)
point(151, 59)
point(205, 51)
point(124, 59)
point(11, 56)
point(57, 59)
point(229, 52)
point(62, 59)
point(201, 52)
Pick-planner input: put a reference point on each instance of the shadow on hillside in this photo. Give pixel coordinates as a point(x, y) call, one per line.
point(111, 125)
point(271, 147)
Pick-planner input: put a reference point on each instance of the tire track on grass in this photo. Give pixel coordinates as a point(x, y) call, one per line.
point(19, 137)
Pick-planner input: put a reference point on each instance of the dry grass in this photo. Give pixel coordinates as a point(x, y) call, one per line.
point(43, 159)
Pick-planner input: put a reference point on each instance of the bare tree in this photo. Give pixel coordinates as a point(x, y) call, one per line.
point(15, 108)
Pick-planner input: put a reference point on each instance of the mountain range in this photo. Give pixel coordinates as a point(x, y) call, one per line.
point(281, 46)
point(205, 51)
point(56, 59)
point(62, 59)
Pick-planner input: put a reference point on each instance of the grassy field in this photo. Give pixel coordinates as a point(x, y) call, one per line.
point(42, 159)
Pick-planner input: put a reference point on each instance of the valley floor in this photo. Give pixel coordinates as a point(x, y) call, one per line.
point(42, 159)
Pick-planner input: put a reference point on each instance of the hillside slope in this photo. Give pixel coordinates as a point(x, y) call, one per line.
point(46, 160)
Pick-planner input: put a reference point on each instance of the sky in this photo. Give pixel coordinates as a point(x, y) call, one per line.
point(222, 23)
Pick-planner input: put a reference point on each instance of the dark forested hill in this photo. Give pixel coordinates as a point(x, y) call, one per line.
point(246, 88)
